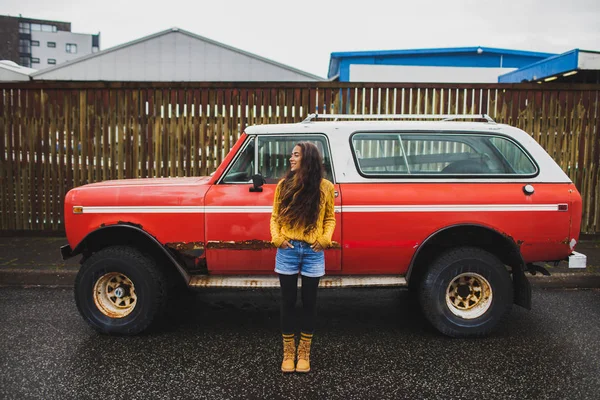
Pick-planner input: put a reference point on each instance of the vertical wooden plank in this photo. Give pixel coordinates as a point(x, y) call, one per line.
point(195, 159)
point(212, 99)
point(158, 133)
point(326, 106)
point(153, 105)
point(166, 134)
point(59, 99)
point(104, 116)
point(134, 119)
point(289, 105)
point(94, 123)
point(125, 135)
point(45, 165)
point(76, 137)
point(228, 135)
point(5, 189)
point(143, 132)
point(4, 160)
point(188, 132)
point(179, 134)
point(219, 127)
point(580, 125)
point(204, 132)
point(595, 175)
point(57, 198)
point(297, 105)
point(30, 191)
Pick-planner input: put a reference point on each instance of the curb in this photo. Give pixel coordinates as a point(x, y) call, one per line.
point(66, 278)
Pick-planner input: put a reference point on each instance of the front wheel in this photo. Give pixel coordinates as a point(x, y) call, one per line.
point(119, 290)
point(466, 292)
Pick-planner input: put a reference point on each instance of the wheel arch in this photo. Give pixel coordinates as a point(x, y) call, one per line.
point(129, 235)
point(501, 245)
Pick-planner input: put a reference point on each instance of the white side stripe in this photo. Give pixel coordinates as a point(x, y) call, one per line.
point(230, 209)
point(143, 210)
point(453, 207)
point(348, 209)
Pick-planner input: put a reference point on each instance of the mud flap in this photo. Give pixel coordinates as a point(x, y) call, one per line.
point(522, 288)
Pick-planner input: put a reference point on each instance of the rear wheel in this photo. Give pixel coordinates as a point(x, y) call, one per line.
point(466, 292)
point(119, 290)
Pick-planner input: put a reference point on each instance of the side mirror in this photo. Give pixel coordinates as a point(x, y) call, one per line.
point(257, 182)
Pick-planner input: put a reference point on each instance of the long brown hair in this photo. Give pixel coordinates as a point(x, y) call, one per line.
point(301, 190)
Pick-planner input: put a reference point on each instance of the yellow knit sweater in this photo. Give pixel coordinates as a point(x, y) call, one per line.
point(325, 221)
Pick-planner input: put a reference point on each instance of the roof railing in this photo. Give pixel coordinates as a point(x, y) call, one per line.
point(443, 117)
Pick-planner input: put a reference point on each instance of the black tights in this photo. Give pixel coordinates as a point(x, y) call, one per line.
point(289, 290)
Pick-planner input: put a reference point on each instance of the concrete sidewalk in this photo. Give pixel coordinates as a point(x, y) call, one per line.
point(36, 261)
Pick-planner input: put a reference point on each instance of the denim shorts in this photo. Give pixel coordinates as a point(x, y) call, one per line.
point(302, 258)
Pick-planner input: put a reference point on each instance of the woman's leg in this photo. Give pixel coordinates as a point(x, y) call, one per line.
point(289, 288)
point(309, 310)
point(309, 303)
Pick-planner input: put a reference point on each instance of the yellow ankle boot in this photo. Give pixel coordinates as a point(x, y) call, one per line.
point(303, 364)
point(289, 352)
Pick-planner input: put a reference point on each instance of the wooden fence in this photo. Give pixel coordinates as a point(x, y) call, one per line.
point(59, 135)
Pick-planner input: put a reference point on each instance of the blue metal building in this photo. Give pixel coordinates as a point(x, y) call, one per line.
point(460, 64)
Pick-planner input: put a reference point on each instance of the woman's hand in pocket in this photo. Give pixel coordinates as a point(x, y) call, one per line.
point(286, 245)
point(316, 246)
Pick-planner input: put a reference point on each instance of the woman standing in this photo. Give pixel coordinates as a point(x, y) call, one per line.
point(302, 225)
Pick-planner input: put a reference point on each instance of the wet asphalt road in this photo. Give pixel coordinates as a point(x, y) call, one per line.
point(370, 344)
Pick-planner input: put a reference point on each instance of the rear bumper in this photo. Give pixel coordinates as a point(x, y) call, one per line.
point(577, 260)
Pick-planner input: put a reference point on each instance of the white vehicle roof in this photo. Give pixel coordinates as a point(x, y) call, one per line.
point(339, 132)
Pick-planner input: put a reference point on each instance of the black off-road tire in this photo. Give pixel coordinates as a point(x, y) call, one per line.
point(466, 268)
point(136, 272)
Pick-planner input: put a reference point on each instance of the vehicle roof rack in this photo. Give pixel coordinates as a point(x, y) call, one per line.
point(443, 117)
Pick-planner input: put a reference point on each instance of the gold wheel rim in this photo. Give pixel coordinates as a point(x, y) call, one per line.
point(114, 295)
point(469, 295)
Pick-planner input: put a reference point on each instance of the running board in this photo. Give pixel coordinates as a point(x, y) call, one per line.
point(269, 281)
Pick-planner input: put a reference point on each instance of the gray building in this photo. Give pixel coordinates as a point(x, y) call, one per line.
point(38, 44)
point(173, 55)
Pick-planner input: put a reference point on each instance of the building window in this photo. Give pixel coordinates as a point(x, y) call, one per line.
point(24, 46)
point(51, 61)
point(35, 43)
point(25, 61)
point(24, 27)
point(71, 48)
point(43, 28)
point(51, 44)
point(35, 60)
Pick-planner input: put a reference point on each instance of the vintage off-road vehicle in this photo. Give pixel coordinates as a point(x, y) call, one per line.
point(456, 211)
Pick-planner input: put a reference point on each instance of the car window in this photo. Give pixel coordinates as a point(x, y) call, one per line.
point(274, 155)
point(380, 154)
point(519, 162)
point(243, 167)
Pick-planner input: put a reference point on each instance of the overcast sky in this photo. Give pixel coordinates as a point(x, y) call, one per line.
point(303, 34)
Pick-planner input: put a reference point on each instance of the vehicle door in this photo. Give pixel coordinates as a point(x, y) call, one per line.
point(415, 184)
point(238, 238)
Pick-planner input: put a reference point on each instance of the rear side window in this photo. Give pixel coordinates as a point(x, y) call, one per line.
point(439, 154)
